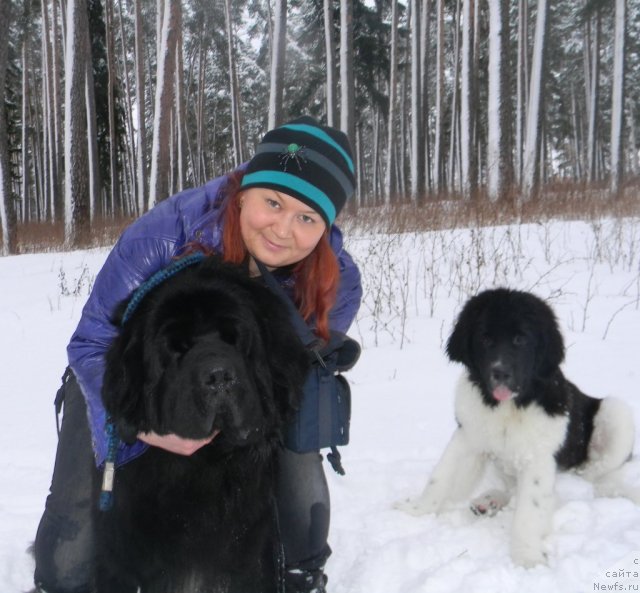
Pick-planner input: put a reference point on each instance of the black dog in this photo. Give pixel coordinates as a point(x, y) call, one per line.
point(515, 408)
point(207, 350)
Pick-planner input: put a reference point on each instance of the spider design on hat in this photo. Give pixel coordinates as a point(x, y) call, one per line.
point(294, 152)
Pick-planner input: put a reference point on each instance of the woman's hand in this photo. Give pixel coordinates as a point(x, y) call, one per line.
point(174, 443)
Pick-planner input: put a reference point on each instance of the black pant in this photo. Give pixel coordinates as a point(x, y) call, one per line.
point(64, 540)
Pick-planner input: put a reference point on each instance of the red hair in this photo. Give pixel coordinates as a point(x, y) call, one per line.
point(316, 276)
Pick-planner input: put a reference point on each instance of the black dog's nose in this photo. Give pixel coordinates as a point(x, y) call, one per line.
point(221, 378)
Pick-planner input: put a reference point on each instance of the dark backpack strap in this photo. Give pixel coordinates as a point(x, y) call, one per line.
point(60, 395)
point(312, 343)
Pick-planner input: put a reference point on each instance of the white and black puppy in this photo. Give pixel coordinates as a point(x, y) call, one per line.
point(515, 408)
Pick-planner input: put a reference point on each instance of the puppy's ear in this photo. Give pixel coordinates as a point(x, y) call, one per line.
point(122, 389)
point(550, 354)
point(460, 341)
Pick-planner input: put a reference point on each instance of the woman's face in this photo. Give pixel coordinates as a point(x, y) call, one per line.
point(276, 228)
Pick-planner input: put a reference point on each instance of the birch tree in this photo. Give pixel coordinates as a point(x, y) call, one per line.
point(522, 80)
point(497, 149)
point(467, 183)
point(141, 135)
point(417, 135)
point(390, 177)
point(50, 143)
point(347, 95)
point(179, 113)
point(617, 98)
point(92, 138)
point(438, 158)
point(424, 88)
point(592, 88)
point(164, 102)
point(234, 92)
point(330, 48)
point(531, 153)
point(278, 46)
point(114, 184)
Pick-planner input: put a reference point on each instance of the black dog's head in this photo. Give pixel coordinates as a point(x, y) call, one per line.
point(208, 349)
point(509, 341)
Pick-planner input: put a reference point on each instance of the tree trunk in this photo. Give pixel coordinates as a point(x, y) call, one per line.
point(531, 163)
point(141, 135)
point(522, 76)
point(466, 90)
point(417, 134)
point(438, 159)
point(25, 138)
point(114, 181)
point(165, 95)
point(56, 100)
point(633, 157)
point(92, 138)
point(233, 88)
point(592, 100)
point(129, 157)
point(179, 127)
point(7, 204)
point(330, 49)
point(77, 182)
point(454, 127)
point(278, 47)
point(347, 82)
point(424, 86)
point(390, 178)
point(496, 102)
point(617, 99)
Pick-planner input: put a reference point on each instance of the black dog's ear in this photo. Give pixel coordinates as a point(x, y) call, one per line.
point(122, 389)
point(459, 342)
point(288, 359)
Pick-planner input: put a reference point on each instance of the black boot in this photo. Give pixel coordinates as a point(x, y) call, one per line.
point(305, 580)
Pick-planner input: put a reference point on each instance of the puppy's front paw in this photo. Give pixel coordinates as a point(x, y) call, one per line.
point(489, 503)
point(527, 555)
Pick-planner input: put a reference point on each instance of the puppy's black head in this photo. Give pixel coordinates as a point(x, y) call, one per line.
point(206, 350)
point(508, 340)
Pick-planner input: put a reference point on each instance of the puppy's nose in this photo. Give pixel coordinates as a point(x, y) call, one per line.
point(500, 374)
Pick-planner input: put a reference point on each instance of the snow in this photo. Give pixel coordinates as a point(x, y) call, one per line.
point(402, 404)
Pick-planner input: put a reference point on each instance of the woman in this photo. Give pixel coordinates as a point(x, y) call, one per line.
point(278, 209)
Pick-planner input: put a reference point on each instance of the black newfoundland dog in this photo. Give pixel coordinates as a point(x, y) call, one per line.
point(515, 408)
point(206, 350)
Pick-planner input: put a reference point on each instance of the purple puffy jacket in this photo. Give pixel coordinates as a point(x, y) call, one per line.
point(146, 246)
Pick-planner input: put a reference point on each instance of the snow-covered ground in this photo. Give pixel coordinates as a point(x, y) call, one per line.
point(402, 404)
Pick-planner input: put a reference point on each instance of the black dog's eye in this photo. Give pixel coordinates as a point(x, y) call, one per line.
point(519, 340)
point(180, 344)
point(487, 341)
point(228, 333)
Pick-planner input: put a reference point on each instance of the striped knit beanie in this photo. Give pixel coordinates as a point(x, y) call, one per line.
point(307, 161)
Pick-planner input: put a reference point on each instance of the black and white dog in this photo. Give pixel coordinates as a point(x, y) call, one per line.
point(515, 408)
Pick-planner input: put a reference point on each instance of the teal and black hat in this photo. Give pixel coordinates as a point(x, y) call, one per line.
point(307, 161)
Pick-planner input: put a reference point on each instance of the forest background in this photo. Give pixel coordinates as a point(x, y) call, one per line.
point(519, 108)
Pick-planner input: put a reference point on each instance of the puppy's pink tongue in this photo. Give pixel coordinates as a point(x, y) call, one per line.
point(502, 393)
